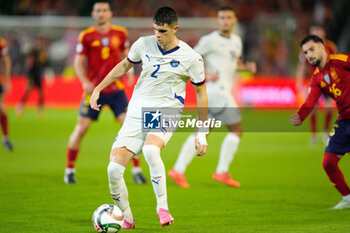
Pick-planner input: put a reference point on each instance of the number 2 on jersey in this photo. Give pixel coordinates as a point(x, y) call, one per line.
point(154, 72)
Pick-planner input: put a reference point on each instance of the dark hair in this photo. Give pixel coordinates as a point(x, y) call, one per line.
point(226, 8)
point(103, 1)
point(314, 38)
point(165, 15)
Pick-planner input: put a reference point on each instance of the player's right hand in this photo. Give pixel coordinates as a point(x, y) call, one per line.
point(201, 143)
point(93, 100)
point(295, 119)
point(88, 87)
point(213, 77)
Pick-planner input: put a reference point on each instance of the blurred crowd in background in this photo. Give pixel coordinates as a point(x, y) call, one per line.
point(270, 29)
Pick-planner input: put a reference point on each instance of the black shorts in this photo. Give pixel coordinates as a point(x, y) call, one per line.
point(117, 101)
point(339, 138)
point(1, 89)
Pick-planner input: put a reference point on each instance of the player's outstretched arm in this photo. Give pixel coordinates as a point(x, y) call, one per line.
point(305, 109)
point(202, 105)
point(118, 71)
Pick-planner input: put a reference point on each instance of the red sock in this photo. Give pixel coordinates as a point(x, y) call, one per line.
point(4, 124)
point(313, 122)
point(71, 157)
point(335, 175)
point(327, 120)
point(136, 162)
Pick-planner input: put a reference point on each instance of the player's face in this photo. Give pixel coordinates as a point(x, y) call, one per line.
point(313, 52)
point(226, 20)
point(165, 33)
point(101, 13)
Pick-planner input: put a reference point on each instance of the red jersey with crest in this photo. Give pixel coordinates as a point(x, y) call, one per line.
point(334, 80)
point(103, 52)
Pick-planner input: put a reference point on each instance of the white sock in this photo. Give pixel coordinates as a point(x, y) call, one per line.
point(69, 170)
point(136, 170)
point(228, 149)
point(157, 171)
point(187, 153)
point(118, 189)
point(347, 197)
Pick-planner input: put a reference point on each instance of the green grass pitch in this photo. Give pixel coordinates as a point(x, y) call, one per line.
point(284, 188)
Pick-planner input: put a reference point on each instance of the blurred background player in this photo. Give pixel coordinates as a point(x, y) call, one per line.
point(37, 62)
point(168, 63)
point(5, 87)
point(221, 51)
point(99, 49)
point(306, 70)
point(332, 77)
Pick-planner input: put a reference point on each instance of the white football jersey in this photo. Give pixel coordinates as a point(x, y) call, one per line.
point(164, 76)
point(220, 56)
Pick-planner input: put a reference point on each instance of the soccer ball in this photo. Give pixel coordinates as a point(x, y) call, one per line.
point(107, 218)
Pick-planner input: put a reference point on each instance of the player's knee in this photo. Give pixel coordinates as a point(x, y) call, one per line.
point(152, 154)
point(115, 172)
point(329, 162)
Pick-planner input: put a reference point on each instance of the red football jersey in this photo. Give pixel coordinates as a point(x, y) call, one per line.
point(334, 80)
point(103, 52)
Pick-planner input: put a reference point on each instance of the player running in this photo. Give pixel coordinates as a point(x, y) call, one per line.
point(5, 86)
point(332, 77)
point(99, 49)
point(167, 64)
point(306, 69)
point(37, 62)
point(221, 51)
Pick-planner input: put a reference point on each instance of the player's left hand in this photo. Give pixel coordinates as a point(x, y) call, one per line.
point(93, 100)
point(251, 66)
point(201, 143)
point(295, 119)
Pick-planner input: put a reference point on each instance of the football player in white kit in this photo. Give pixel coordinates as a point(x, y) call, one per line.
point(221, 51)
point(167, 64)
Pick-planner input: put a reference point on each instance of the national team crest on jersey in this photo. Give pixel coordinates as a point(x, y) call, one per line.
point(152, 119)
point(174, 63)
point(327, 79)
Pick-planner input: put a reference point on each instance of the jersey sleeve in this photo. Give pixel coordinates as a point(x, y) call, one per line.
point(340, 59)
point(135, 53)
point(81, 47)
point(196, 71)
point(311, 100)
point(203, 47)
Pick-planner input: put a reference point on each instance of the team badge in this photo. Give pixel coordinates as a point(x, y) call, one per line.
point(105, 41)
point(327, 79)
point(174, 63)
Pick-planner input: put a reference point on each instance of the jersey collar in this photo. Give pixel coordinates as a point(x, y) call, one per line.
point(169, 51)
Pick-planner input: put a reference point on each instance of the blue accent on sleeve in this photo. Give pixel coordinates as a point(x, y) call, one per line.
point(134, 62)
point(180, 98)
